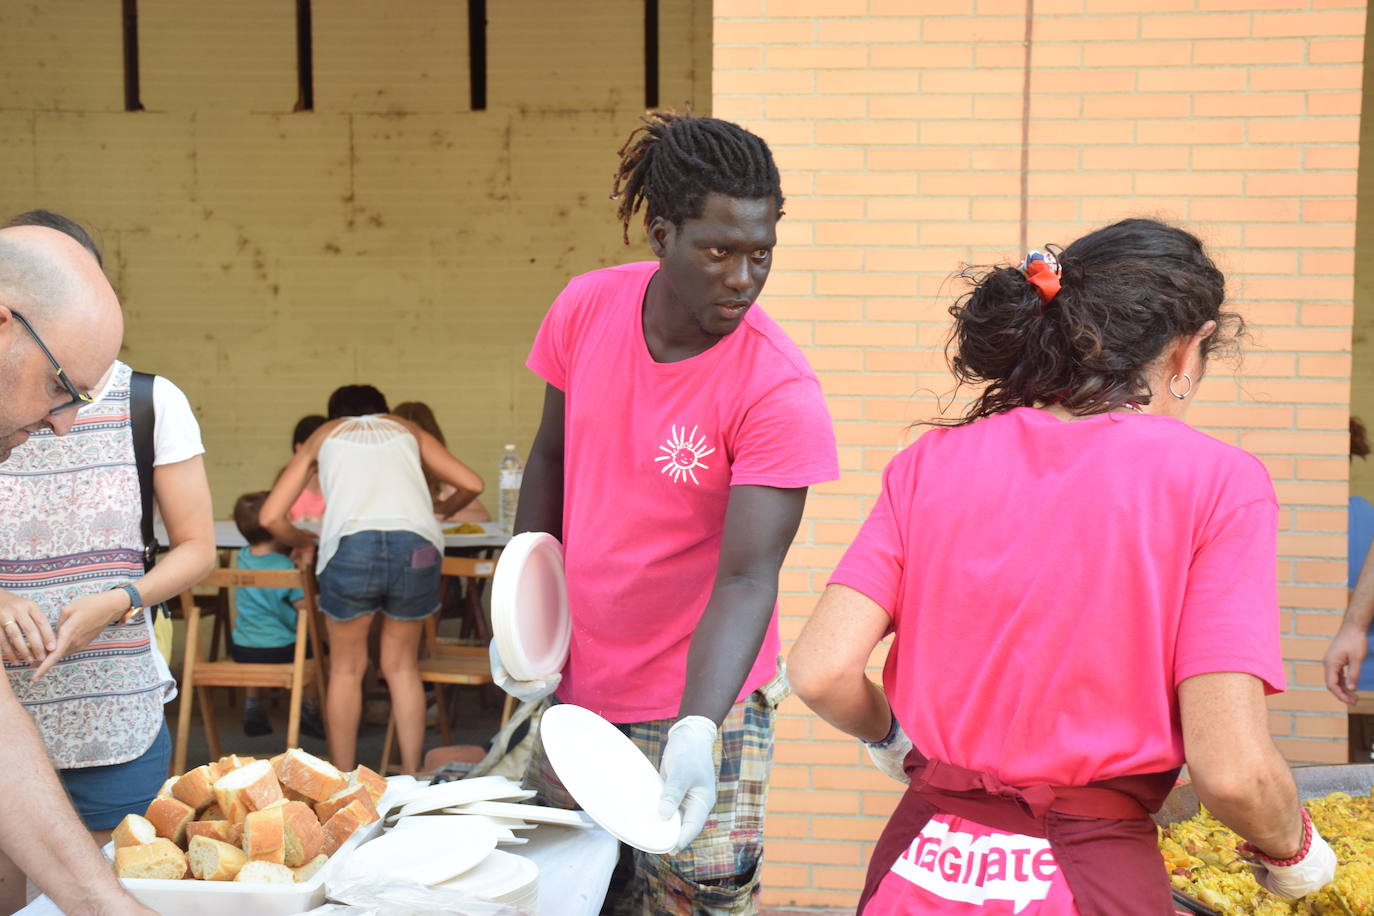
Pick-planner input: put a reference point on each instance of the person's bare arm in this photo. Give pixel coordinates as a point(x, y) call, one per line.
point(42, 835)
point(760, 523)
point(183, 498)
point(541, 491)
point(826, 667)
point(276, 509)
point(467, 483)
point(1236, 770)
point(1349, 646)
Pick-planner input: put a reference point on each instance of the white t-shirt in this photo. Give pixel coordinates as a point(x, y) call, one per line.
point(176, 434)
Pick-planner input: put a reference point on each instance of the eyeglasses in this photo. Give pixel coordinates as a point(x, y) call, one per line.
point(78, 398)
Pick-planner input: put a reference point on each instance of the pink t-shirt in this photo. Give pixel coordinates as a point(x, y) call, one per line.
point(308, 505)
point(1050, 583)
point(651, 452)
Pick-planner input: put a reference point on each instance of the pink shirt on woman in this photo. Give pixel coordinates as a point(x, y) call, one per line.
point(651, 452)
point(1050, 584)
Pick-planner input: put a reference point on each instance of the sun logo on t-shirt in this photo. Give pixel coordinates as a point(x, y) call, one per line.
point(683, 454)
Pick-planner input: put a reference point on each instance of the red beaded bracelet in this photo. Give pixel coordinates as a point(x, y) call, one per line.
point(1252, 849)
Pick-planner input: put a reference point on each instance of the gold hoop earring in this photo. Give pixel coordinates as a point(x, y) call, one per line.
point(1186, 392)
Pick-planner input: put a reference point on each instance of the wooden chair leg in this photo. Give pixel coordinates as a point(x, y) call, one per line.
point(506, 709)
point(441, 713)
point(178, 762)
point(385, 766)
point(207, 715)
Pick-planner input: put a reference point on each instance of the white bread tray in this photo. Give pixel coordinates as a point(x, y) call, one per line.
point(231, 898)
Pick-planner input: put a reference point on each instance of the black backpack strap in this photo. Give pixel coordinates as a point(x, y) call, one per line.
point(143, 420)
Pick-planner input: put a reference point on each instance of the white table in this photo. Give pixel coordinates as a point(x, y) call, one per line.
point(227, 535)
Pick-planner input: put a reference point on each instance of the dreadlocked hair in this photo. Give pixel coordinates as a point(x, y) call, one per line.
point(1127, 291)
point(672, 161)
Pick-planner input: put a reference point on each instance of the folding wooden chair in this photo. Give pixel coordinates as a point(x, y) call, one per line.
point(198, 675)
point(449, 662)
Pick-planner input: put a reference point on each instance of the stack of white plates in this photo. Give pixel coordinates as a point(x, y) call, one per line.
point(501, 878)
point(529, 607)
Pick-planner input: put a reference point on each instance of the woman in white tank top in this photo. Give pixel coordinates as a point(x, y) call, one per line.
point(379, 550)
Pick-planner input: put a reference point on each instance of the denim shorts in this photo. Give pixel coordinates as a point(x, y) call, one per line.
point(395, 572)
point(103, 795)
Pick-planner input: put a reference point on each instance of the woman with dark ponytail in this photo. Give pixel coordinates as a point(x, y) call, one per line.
point(1082, 593)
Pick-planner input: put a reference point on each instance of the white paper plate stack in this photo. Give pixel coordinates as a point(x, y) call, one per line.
point(501, 878)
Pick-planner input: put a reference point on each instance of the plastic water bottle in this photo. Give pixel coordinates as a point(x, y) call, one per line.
point(512, 473)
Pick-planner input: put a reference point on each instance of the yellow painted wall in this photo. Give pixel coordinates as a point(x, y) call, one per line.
point(391, 236)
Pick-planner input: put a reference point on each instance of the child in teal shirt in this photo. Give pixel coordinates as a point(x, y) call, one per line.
point(265, 625)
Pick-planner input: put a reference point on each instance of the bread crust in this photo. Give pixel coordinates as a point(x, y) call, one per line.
point(264, 836)
point(340, 799)
point(248, 788)
point(312, 777)
point(159, 859)
point(345, 821)
point(169, 816)
point(375, 782)
point(196, 788)
point(215, 830)
point(134, 830)
point(305, 837)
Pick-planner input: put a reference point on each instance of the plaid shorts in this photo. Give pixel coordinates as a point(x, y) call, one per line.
point(719, 872)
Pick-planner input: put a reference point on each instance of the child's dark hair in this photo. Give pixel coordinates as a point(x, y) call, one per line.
point(672, 161)
point(1127, 291)
point(305, 428)
point(356, 401)
point(246, 511)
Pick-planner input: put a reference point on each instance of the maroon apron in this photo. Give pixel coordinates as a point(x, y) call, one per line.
point(1101, 834)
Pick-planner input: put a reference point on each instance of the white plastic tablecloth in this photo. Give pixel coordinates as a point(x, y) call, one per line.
point(575, 868)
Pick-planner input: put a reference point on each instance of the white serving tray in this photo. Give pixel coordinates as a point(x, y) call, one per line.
point(232, 898)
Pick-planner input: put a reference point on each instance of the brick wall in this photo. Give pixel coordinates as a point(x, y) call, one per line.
point(392, 235)
point(900, 135)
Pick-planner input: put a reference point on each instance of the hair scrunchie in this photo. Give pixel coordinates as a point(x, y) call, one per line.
point(1041, 270)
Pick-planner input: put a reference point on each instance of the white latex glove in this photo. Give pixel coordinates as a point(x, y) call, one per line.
point(689, 776)
point(524, 691)
point(1311, 873)
point(888, 755)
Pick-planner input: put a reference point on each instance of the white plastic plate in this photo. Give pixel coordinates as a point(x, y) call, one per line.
point(529, 607)
point(429, 855)
point(534, 814)
point(609, 777)
point(460, 791)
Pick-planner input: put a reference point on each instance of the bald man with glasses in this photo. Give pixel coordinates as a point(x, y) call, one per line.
point(60, 330)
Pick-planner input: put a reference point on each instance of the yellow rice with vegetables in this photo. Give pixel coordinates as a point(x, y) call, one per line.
point(1200, 855)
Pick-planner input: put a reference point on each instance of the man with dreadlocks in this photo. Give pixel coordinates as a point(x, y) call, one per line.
point(681, 429)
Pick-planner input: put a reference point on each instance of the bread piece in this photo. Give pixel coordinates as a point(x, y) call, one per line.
point(170, 817)
point(166, 790)
point(276, 763)
point(230, 762)
point(214, 860)
point(159, 859)
point(264, 836)
point(196, 788)
point(291, 794)
point(267, 872)
point(308, 870)
point(236, 833)
point(375, 782)
point(248, 788)
point(212, 813)
point(314, 778)
point(215, 830)
point(345, 821)
point(325, 809)
point(134, 830)
point(304, 835)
